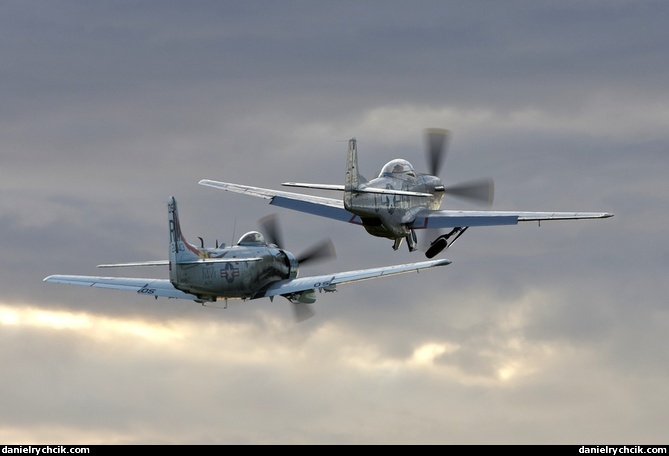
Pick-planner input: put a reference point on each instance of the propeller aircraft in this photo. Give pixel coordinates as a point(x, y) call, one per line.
point(401, 201)
point(256, 267)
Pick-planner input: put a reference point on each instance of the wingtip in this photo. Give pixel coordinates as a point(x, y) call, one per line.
point(440, 262)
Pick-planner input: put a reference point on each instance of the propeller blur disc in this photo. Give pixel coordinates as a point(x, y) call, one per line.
point(436, 142)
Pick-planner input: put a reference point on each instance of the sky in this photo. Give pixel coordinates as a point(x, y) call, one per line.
point(551, 334)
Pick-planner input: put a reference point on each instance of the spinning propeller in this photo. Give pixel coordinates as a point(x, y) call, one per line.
point(321, 251)
point(480, 190)
point(433, 241)
point(318, 252)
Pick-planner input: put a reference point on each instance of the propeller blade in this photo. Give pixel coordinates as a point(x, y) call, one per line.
point(318, 252)
point(480, 191)
point(302, 311)
point(436, 142)
point(270, 227)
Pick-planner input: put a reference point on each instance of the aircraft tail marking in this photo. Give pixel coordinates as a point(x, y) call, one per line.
point(181, 251)
point(353, 178)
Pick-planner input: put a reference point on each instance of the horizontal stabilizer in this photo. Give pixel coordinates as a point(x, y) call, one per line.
point(315, 186)
point(384, 191)
point(391, 191)
point(165, 262)
point(130, 265)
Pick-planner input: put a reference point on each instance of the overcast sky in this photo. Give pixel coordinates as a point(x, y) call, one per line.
point(553, 334)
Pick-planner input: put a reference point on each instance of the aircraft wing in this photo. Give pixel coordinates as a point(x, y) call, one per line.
point(329, 281)
point(163, 287)
point(145, 287)
point(316, 205)
point(426, 219)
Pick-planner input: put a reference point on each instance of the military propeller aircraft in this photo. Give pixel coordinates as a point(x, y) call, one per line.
point(256, 267)
point(401, 201)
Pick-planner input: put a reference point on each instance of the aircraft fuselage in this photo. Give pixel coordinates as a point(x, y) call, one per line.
point(239, 279)
point(387, 215)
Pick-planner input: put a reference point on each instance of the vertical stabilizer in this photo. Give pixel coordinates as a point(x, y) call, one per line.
point(352, 175)
point(180, 249)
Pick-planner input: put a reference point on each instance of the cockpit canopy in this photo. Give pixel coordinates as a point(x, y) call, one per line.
point(397, 167)
point(252, 238)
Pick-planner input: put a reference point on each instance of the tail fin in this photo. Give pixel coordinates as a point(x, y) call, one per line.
point(353, 178)
point(180, 249)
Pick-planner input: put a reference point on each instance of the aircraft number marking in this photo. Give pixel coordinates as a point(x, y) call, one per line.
point(390, 203)
point(145, 290)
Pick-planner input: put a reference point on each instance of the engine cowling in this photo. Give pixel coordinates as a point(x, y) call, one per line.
point(291, 263)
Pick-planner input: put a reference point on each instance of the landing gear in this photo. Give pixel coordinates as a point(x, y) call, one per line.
point(441, 242)
point(411, 242)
